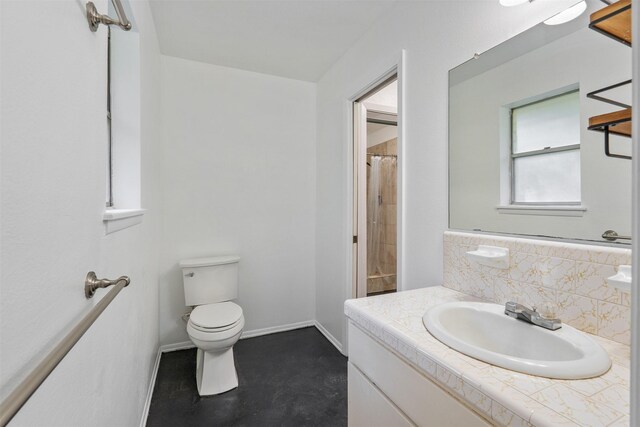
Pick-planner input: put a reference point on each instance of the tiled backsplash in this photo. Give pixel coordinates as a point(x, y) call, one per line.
point(569, 276)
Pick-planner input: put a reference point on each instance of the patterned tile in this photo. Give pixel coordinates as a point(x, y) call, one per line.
point(620, 353)
point(537, 296)
point(557, 273)
point(524, 268)
point(578, 311)
point(545, 417)
point(616, 397)
point(610, 256)
point(506, 290)
point(576, 407)
point(504, 417)
point(449, 379)
point(614, 322)
point(621, 422)
point(427, 364)
point(616, 375)
point(527, 384)
point(566, 278)
point(626, 298)
point(591, 281)
point(478, 399)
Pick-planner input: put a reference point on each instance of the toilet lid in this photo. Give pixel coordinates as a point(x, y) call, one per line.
point(216, 315)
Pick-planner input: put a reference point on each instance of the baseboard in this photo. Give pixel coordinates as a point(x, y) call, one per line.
point(328, 336)
point(246, 334)
point(152, 385)
point(176, 346)
point(276, 329)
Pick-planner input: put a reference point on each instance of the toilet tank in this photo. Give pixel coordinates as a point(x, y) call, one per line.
point(210, 280)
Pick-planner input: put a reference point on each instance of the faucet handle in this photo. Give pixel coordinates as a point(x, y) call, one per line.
point(511, 306)
point(514, 307)
point(510, 309)
point(548, 310)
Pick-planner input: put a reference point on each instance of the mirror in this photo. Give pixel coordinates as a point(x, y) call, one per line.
point(521, 158)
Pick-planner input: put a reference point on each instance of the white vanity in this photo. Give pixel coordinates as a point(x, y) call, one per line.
point(400, 375)
point(385, 390)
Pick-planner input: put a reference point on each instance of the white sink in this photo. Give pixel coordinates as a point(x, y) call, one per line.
point(484, 332)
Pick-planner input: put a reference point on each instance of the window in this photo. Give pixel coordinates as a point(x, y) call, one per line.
point(545, 151)
point(123, 156)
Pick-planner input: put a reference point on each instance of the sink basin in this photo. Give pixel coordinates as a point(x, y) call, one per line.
point(484, 332)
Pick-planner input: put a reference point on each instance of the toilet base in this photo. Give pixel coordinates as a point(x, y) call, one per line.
point(215, 372)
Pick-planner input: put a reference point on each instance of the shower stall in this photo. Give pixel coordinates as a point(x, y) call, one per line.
point(381, 219)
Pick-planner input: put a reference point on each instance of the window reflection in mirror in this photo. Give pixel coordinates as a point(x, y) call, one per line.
point(545, 151)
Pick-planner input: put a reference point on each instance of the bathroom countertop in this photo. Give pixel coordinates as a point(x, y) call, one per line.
point(507, 398)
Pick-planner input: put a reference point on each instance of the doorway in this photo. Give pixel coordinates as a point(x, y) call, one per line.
point(376, 189)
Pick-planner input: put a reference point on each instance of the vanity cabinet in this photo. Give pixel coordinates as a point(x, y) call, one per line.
point(368, 406)
point(384, 390)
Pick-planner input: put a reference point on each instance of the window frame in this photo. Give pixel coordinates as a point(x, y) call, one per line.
point(540, 152)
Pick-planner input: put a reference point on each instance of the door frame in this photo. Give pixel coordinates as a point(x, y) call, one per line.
point(359, 217)
point(352, 291)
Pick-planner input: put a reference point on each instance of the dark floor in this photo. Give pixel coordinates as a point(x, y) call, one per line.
point(294, 378)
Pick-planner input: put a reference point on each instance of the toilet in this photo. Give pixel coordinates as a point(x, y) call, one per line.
point(215, 324)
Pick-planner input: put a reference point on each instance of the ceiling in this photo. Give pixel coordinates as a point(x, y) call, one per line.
point(298, 39)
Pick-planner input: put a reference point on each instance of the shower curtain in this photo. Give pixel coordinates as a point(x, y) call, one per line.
point(379, 175)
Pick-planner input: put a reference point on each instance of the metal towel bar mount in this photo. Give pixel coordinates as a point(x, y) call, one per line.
point(92, 283)
point(19, 396)
point(95, 18)
point(612, 236)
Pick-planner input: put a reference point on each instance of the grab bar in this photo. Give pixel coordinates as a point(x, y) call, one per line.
point(19, 396)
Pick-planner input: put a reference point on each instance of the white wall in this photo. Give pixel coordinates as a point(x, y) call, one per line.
point(239, 178)
point(437, 36)
point(479, 137)
point(53, 194)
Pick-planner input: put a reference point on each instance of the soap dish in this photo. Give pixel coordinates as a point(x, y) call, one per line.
point(491, 256)
point(622, 280)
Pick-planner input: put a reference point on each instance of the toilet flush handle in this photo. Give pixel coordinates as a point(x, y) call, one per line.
point(190, 274)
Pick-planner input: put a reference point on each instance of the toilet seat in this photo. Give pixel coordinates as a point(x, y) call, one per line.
point(216, 337)
point(215, 330)
point(216, 317)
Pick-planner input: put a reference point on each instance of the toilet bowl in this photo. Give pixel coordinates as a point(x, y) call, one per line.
point(214, 329)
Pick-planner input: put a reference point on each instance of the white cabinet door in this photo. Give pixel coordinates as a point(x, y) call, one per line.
point(368, 407)
point(421, 400)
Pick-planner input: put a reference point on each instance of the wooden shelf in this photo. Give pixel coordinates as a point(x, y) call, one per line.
point(619, 122)
point(614, 21)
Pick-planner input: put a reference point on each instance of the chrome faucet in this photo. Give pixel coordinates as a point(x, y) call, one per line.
point(530, 315)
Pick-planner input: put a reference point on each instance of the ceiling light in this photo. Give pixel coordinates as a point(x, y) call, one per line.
point(567, 15)
point(510, 3)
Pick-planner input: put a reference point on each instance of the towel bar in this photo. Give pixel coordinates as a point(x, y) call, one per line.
point(19, 396)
